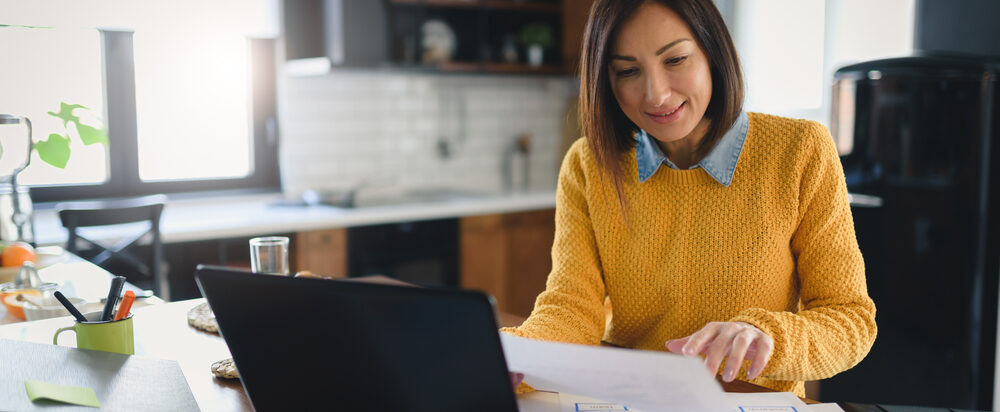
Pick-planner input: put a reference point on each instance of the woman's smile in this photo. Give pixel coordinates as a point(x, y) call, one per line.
point(667, 116)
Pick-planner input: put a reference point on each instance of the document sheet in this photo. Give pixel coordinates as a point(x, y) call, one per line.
point(643, 380)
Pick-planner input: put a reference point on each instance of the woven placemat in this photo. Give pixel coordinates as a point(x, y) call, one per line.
point(201, 317)
point(225, 369)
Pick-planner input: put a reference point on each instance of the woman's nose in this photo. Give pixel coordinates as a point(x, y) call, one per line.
point(657, 90)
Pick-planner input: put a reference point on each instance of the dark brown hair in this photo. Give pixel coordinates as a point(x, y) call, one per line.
point(609, 132)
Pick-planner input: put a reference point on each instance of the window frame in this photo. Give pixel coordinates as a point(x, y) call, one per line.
point(123, 155)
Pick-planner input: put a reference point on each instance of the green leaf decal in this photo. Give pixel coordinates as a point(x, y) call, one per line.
point(66, 112)
point(54, 150)
point(90, 135)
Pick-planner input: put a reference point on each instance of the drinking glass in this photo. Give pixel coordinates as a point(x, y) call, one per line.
point(269, 255)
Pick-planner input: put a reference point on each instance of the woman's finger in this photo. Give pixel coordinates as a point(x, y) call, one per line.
point(677, 345)
point(718, 349)
point(515, 379)
point(762, 348)
point(699, 341)
point(741, 342)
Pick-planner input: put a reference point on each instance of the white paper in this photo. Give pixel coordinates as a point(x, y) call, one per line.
point(741, 402)
point(576, 403)
point(538, 401)
point(766, 402)
point(646, 380)
point(824, 407)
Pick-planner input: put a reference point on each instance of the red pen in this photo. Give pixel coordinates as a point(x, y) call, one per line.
point(125, 305)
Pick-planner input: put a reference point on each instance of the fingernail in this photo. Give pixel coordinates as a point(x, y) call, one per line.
point(728, 377)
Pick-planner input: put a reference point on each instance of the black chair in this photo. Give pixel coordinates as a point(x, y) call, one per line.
point(75, 215)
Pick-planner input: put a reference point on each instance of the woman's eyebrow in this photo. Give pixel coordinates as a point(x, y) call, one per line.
point(658, 52)
point(669, 45)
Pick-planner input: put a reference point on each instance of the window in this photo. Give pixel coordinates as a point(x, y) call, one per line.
point(791, 48)
point(184, 101)
point(192, 112)
point(59, 90)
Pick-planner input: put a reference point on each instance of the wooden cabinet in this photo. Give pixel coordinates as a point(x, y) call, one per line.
point(505, 255)
point(508, 256)
point(574, 14)
point(322, 252)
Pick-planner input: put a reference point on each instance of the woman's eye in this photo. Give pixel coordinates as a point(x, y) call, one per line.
point(627, 72)
point(676, 60)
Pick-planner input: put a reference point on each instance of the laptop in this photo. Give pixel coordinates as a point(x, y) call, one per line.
point(316, 344)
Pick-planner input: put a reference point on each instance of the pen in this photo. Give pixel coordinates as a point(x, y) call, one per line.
point(126, 305)
point(69, 306)
point(116, 290)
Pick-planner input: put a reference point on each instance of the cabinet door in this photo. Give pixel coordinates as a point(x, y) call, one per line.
point(530, 236)
point(323, 252)
point(575, 14)
point(483, 256)
point(508, 256)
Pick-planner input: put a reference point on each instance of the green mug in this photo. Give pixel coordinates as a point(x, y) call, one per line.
point(108, 336)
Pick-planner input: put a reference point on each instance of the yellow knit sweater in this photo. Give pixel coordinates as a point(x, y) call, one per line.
point(775, 249)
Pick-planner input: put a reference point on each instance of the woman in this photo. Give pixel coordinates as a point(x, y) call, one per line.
point(688, 225)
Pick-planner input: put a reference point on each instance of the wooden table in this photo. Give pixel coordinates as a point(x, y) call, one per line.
point(162, 331)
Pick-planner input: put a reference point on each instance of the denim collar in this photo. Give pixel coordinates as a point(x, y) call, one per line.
point(720, 163)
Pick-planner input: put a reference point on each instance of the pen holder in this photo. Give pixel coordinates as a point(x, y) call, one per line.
point(108, 336)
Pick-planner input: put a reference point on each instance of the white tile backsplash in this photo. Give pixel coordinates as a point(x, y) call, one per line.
point(349, 125)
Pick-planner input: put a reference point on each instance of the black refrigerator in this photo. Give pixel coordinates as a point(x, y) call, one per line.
point(919, 139)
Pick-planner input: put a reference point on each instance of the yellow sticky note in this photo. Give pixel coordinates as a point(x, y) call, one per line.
point(76, 395)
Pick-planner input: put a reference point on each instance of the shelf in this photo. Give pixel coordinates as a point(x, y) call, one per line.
point(483, 28)
point(514, 5)
point(523, 6)
point(459, 67)
point(450, 3)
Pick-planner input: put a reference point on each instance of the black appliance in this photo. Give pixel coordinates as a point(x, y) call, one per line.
point(919, 139)
point(423, 252)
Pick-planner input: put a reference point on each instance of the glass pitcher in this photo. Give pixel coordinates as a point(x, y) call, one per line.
point(16, 212)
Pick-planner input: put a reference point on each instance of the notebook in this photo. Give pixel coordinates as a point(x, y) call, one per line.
point(304, 344)
point(121, 382)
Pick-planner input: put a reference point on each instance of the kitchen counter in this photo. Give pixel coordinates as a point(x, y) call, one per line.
point(252, 215)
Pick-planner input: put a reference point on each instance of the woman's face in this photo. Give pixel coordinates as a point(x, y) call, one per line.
point(660, 75)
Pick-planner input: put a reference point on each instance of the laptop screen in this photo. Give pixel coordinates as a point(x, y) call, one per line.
point(304, 344)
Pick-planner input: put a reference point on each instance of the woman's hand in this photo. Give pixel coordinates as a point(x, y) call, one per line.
point(737, 340)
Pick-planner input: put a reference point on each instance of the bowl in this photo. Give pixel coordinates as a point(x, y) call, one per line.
point(16, 307)
point(51, 308)
point(8, 295)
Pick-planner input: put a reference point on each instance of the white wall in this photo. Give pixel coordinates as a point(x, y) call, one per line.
point(349, 125)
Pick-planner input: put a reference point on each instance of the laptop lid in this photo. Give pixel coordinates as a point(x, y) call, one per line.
point(303, 344)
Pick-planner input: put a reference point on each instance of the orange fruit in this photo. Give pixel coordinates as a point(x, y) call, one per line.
point(15, 254)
